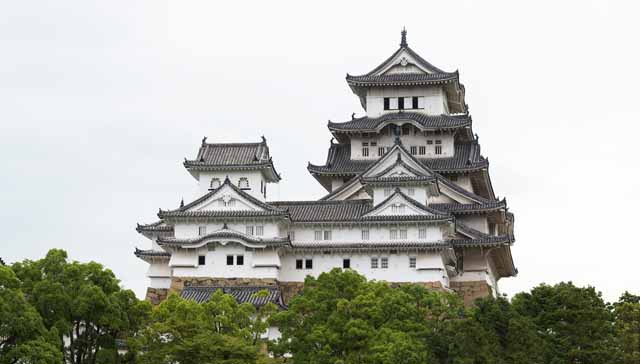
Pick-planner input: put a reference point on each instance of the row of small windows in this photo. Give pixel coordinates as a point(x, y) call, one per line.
point(403, 103)
point(394, 234)
point(322, 235)
point(255, 230)
point(243, 183)
point(414, 150)
point(411, 191)
point(405, 129)
point(376, 263)
point(231, 259)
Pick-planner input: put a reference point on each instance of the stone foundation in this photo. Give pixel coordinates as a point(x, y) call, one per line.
point(288, 290)
point(156, 295)
point(471, 290)
point(178, 283)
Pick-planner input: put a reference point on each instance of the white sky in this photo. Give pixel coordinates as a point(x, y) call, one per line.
point(100, 101)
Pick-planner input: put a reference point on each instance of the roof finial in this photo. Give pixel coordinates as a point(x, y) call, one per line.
point(204, 141)
point(182, 203)
point(403, 40)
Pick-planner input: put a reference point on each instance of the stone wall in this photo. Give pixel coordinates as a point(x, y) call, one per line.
point(156, 295)
point(288, 290)
point(178, 283)
point(471, 290)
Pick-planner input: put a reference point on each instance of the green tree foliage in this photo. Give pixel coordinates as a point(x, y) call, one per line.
point(83, 303)
point(185, 332)
point(627, 313)
point(23, 337)
point(576, 325)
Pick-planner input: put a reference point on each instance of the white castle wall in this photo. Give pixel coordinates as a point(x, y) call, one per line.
point(377, 233)
point(191, 229)
point(435, 101)
point(417, 140)
point(254, 177)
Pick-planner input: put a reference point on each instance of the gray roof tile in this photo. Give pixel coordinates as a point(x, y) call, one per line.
point(242, 294)
point(430, 122)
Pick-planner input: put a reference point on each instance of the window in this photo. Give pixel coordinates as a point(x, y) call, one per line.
point(403, 234)
point(215, 183)
point(429, 142)
point(230, 203)
point(412, 262)
point(346, 263)
point(365, 234)
point(374, 144)
point(380, 151)
point(387, 192)
point(400, 103)
point(298, 263)
point(422, 233)
point(292, 235)
point(386, 103)
point(365, 149)
point(438, 149)
point(492, 228)
point(243, 183)
point(317, 235)
point(406, 129)
point(414, 102)
point(327, 235)
point(249, 230)
point(374, 263)
point(201, 259)
point(308, 264)
point(384, 263)
point(438, 141)
point(259, 230)
point(239, 259)
point(413, 150)
point(393, 234)
point(229, 259)
point(453, 178)
point(397, 209)
point(202, 230)
point(422, 150)
point(411, 191)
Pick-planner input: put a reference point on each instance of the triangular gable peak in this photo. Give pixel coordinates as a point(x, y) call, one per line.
point(397, 161)
point(450, 192)
point(399, 204)
point(404, 60)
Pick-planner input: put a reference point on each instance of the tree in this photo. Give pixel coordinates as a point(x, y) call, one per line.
point(185, 332)
point(23, 337)
point(627, 315)
point(575, 323)
point(84, 303)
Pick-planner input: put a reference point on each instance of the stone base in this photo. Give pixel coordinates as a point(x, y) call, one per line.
point(288, 290)
point(178, 283)
point(156, 295)
point(471, 290)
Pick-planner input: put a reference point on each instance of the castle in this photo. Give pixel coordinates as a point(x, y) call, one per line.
point(409, 200)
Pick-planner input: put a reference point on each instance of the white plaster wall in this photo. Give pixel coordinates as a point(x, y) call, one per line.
point(216, 263)
point(434, 104)
point(159, 269)
point(420, 194)
point(429, 266)
point(376, 233)
point(336, 183)
point(477, 222)
point(159, 282)
point(190, 229)
point(254, 177)
point(408, 141)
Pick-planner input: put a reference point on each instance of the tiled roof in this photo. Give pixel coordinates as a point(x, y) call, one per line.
point(224, 234)
point(432, 214)
point(151, 253)
point(473, 237)
point(324, 211)
point(402, 79)
point(228, 156)
point(458, 208)
point(432, 122)
point(183, 211)
point(242, 294)
point(466, 158)
point(158, 226)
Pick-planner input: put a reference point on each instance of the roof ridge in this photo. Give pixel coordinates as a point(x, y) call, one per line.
point(320, 202)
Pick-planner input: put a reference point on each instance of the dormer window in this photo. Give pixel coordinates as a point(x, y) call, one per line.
point(243, 183)
point(215, 183)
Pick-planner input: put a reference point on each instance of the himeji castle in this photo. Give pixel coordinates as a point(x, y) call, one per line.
point(409, 200)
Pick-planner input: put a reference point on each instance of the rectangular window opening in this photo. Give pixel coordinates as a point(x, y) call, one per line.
point(229, 259)
point(240, 260)
point(412, 262)
point(346, 263)
point(202, 230)
point(374, 263)
point(308, 264)
point(384, 263)
point(201, 259)
point(365, 234)
point(298, 263)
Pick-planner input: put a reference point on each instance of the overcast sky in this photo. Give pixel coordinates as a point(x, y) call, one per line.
point(100, 101)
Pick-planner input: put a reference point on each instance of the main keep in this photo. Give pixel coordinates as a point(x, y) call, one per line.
point(409, 200)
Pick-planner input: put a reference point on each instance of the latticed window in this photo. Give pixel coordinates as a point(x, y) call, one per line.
point(422, 233)
point(411, 191)
point(327, 235)
point(249, 230)
point(298, 263)
point(429, 142)
point(384, 263)
point(243, 183)
point(413, 150)
point(403, 234)
point(292, 235)
point(393, 234)
point(380, 151)
point(387, 192)
point(374, 263)
point(215, 183)
point(201, 260)
point(422, 150)
point(365, 149)
point(365, 234)
point(308, 264)
point(239, 259)
point(397, 209)
point(438, 149)
point(259, 230)
point(412, 262)
point(202, 230)
point(317, 235)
